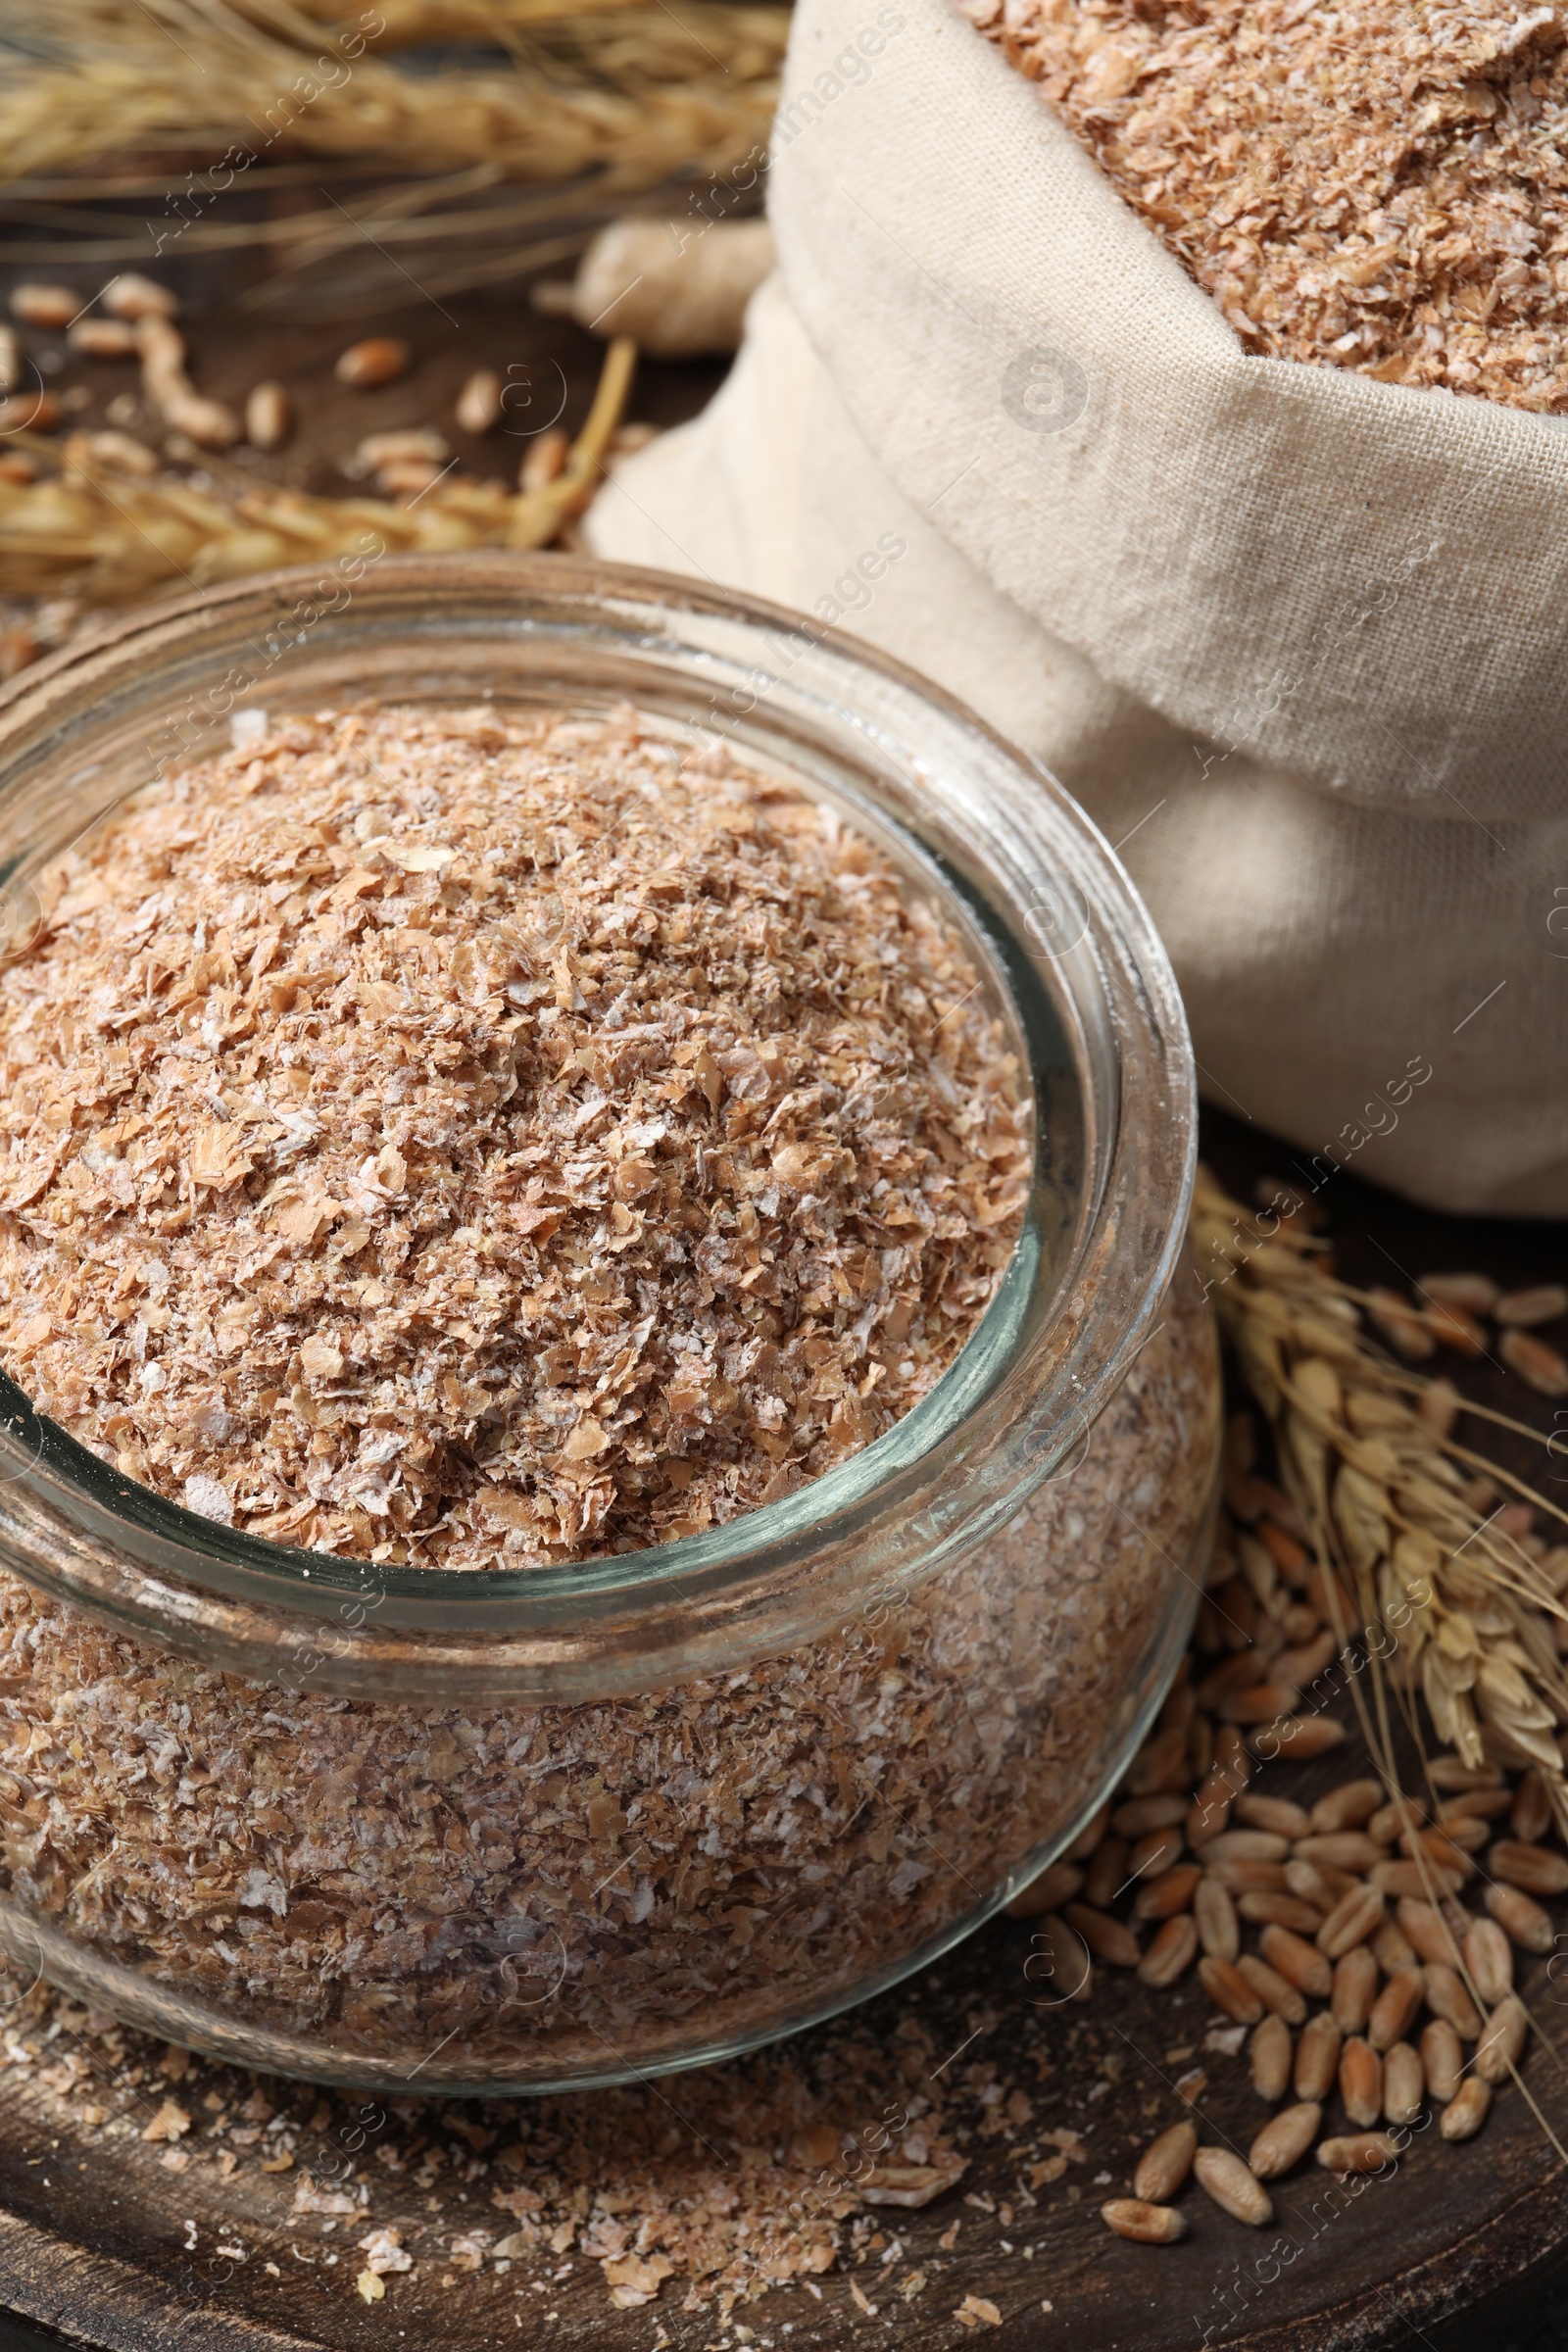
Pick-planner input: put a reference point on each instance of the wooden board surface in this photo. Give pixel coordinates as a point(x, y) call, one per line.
point(101, 2239)
point(96, 2238)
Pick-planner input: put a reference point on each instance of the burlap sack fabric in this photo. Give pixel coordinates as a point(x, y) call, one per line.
point(1294, 638)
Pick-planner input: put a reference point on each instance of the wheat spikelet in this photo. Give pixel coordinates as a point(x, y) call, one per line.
point(406, 23)
point(633, 96)
point(1450, 1607)
point(746, 41)
point(618, 38)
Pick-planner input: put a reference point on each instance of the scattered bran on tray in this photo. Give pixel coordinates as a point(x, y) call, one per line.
point(705, 2194)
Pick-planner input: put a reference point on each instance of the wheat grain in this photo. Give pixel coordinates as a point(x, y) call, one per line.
point(1529, 1868)
point(1404, 2085)
point(1244, 1845)
point(1355, 1916)
point(1234, 2188)
point(1447, 1998)
point(1269, 2056)
point(1354, 1990)
point(1145, 2223)
point(478, 404)
point(376, 361)
point(132, 297)
point(1155, 1854)
point(1466, 2111)
point(1217, 1924)
point(1489, 1959)
point(103, 338)
point(1048, 1893)
point(1316, 1884)
point(1171, 1952)
point(1141, 1814)
point(1242, 1875)
point(1285, 2139)
point(1297, 1740)
point(1390, 1950)
point(268, 416)
point(28, 412)
point(1474, 1294)
point(1396, 2009)
point(1444, 2061)
point(1108, 1939)
point(1541, 1303)
point(1541, 1368)
point(1300, 1963)
point(1362, 2081)
point(1357, 2152)
point(1530, 1814)
point(1173, 1892)
point(44, 306)
point(1318, 2057)
point(1229, 1989)
point(1521, 1919)
point(1280, 1911)
point(1165, 2165)
point(1503, 2040)
point(1345, 1807)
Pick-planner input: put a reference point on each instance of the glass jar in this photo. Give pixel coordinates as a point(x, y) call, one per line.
point(506, 1831)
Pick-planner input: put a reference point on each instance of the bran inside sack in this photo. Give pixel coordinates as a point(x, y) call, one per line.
point(1369, 185)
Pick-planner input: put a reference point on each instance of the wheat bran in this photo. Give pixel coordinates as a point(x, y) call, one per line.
point(521, 1894)
point(1372, 185)
point(476, 1142)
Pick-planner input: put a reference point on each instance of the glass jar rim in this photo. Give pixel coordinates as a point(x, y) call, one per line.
point(1060, 915)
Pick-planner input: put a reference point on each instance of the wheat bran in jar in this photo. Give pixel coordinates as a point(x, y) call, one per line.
point(472, 1142)
point(560, 1883)
point(470, 1225)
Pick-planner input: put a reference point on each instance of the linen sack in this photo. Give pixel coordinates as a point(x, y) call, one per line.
point(1294, 638)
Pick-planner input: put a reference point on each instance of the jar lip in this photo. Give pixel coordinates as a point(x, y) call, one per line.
point(1116, 1005)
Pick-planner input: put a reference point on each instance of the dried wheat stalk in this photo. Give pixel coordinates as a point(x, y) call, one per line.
point(1459, 1610)
point(632, 96)
point(1322, 1921)
point(110, 536)
point(410, 23)
point(619, 39)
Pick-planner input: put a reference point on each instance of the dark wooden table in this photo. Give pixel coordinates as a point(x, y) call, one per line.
point(102, 2242)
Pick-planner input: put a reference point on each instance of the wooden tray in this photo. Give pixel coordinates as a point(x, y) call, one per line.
point(99, 2242)
point(102, 2242)
point(1338, 2270)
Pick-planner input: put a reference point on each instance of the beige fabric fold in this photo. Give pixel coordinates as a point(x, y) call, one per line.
point(1292, 637)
